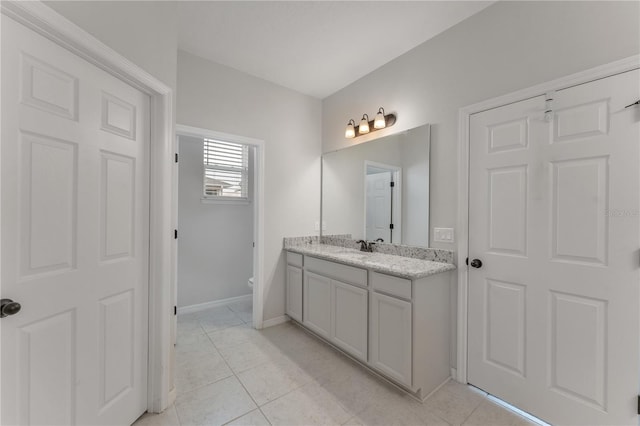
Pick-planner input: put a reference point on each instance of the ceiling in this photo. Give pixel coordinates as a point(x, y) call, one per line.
point(313, 47)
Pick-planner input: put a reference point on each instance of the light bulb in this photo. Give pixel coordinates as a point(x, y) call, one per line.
point(380, 122)
point(364, 125)
point(350, 132)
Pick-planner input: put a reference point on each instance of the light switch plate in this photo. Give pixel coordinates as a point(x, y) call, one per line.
point(443, 235)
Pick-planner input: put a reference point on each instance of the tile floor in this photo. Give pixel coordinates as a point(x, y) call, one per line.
point(229, 373)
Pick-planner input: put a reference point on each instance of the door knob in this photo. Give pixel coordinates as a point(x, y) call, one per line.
point(8, 307)
point(476, 263)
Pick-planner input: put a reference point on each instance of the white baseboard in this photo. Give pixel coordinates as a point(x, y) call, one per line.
point(202, 306)
point(274, 321)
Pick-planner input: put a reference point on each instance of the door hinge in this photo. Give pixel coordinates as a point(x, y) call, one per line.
point(639, 405)
point(392, 184)
point(176, 157)
point(175, 310)
point(254, 244)
point(391, 226)
point(467, 261)
point(175, 234)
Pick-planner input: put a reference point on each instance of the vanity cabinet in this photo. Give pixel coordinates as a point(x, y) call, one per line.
point(294, 286)
point(317, 303)
point(336, 304)
point(396, 326)
point(391, 332)
point(349, 318)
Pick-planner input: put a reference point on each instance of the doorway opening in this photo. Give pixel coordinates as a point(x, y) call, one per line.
point(219, 216)
point(382, 205)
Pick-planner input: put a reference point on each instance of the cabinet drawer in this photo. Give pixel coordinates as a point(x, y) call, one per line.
point(399, 287)
point(340, 272)
point(294, 259)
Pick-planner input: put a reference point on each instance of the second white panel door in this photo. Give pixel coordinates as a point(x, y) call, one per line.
point(554, 308)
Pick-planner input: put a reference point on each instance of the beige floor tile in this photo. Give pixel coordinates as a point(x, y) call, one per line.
point(308, 405)
point(214, 404)
point(353, 421)
point(357, 390)
point(254, 418)
point(490, 413)
point(167, 418)
point(234, 336)
point(250, 354)
point(188, 324)
point(390, 411)
point(270, 381)
point(453, 402)
point(324, 364)
point(244, 309)
point(196, 369)
point(218, 318)
point(186, 340)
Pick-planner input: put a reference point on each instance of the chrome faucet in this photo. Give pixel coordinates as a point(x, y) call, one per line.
point(366, 246)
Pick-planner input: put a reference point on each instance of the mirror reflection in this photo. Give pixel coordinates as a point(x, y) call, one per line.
point(379, 190)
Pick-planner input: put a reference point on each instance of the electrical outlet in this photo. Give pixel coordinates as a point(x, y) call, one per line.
point(324, 225)
point(443, 235)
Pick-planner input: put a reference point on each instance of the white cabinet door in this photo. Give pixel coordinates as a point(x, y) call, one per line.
point(349, 314)
point(391, 337)
point(317, 303)
point(294, 292)
point(554, 311)
point(75, 237)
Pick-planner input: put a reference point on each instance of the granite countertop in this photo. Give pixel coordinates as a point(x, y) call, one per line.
point(405, 267)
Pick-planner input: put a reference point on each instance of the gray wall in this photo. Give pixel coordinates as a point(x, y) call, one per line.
point(506, 47)
point(143, 32)
point(215, 97)
point(215, 253)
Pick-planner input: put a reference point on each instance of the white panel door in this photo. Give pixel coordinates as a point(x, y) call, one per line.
point(294, 292)
point(554, 309)
point(317, 303)
point(378, 208)
point(349, 318)
point(75, 208)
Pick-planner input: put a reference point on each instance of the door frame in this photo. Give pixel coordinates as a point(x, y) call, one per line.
point(464, 116)
point(258, 208)
point(53, 26)
point(396, 197)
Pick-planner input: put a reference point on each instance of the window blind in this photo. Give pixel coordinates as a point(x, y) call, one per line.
point(226, 166)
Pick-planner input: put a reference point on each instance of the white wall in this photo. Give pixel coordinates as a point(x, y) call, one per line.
point(215, 97)
point(143, 32)
point(506, 47)
point(215, 253)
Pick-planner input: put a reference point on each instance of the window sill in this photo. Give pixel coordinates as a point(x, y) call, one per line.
point(229, 201)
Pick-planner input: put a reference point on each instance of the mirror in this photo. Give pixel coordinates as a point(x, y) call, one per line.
point(379, 189)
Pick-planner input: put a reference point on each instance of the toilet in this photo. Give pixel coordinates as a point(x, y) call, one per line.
point(250, 283)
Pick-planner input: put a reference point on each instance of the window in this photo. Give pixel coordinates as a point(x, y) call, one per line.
point(226, 170)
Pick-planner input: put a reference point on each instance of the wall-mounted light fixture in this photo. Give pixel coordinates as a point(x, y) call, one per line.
point(381, 121)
